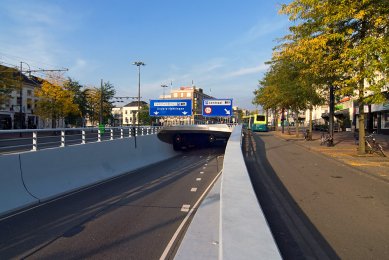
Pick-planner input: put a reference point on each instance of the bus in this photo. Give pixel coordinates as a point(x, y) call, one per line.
point(256, 122)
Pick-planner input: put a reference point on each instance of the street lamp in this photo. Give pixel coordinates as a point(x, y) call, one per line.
point(164, 86)
point(21, 93)
point(138, 64)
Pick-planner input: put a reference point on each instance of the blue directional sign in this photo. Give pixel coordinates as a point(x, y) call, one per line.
point(217, 107)
point(170, 107)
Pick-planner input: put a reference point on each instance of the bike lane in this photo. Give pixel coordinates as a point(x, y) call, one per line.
point(317, 207)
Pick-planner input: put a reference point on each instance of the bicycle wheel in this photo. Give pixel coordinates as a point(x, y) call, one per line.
point(380, 150)
point(368, 148)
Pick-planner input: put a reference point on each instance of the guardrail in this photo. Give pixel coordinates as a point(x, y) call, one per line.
point(15, 141)
point(12, 141)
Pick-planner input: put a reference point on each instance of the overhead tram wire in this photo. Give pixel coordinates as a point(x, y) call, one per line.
point(30, 61)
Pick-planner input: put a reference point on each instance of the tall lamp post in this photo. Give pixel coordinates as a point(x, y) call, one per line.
point(163, 86)
point(138, 64)
point(21, 119)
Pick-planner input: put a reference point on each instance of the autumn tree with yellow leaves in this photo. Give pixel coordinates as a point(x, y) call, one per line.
point(344, 45)
point(55, 102)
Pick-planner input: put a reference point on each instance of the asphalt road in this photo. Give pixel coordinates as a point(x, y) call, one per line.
point(317, 207)
point(130, 217)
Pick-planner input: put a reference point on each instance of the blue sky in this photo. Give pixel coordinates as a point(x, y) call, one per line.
point(220, 45)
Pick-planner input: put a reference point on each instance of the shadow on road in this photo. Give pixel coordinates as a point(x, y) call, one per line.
point(295, 235)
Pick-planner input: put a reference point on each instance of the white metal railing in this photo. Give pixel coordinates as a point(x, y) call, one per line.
point(20, 140)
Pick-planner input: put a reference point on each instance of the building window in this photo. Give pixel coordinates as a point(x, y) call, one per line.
point(175, 94)
point(18, 100)
point(385, 120)
point(29, 103)
point(188, 94)
point(182, 94)
point(29, 92)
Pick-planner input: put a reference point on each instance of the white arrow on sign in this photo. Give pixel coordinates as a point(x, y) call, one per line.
point(185, 112)
point(227, 111)
point(156, 112)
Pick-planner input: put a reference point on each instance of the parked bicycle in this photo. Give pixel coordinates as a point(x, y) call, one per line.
point(307, 135)
point(372, 146)
point(326, 139)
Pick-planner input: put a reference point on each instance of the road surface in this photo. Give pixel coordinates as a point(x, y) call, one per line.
point(130, 217)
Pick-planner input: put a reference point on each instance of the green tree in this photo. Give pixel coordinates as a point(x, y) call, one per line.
point(99, 103)
point(79, 99)
point(284, 86)
point(345, 43)
point(9, 81)
point(144, 116)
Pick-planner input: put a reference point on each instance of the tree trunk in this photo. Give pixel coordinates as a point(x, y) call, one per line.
point(331, 112)
point(283, 120)
point(297, 125)
point(361, 121)
point(310, 124)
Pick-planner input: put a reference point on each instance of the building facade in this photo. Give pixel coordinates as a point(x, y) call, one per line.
point(197, 96)
point(17, 111)
point(130, 113)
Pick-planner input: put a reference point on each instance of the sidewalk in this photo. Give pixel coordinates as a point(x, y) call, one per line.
point(345, 151)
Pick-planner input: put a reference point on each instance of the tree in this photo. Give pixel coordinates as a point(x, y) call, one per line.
point(79, 99)
point(345, 43)
point(55, 102)
point(99, 103)
point(144, 116)
point(9, 81)
point(284, 86)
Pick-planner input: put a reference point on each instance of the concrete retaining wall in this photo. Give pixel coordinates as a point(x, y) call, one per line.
point(13, 195)
point(52, 172)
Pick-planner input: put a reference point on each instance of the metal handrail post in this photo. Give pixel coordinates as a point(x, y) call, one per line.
point(34, 140)
point(62, 138)
point(83, 139)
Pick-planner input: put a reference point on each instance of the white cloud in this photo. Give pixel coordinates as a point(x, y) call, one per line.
point(246, 71)
point(260, 30)
point(34, 38)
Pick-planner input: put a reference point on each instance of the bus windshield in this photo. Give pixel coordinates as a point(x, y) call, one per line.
point(260, 118)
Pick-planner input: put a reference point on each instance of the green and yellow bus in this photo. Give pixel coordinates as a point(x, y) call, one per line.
point(256, 122)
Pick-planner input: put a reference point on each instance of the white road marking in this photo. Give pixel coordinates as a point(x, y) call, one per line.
point(171, 242)
point(193, 189)
point(198, 179)
point(201, 172)
point(185, 208)
point(206, 164)
point(204, 168)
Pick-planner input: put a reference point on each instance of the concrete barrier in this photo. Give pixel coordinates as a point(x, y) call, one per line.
point(52, 172)
point(13, 194)
point(241, 230)
point(244, 232)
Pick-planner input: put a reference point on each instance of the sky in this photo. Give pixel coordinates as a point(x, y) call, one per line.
point(219, 45)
